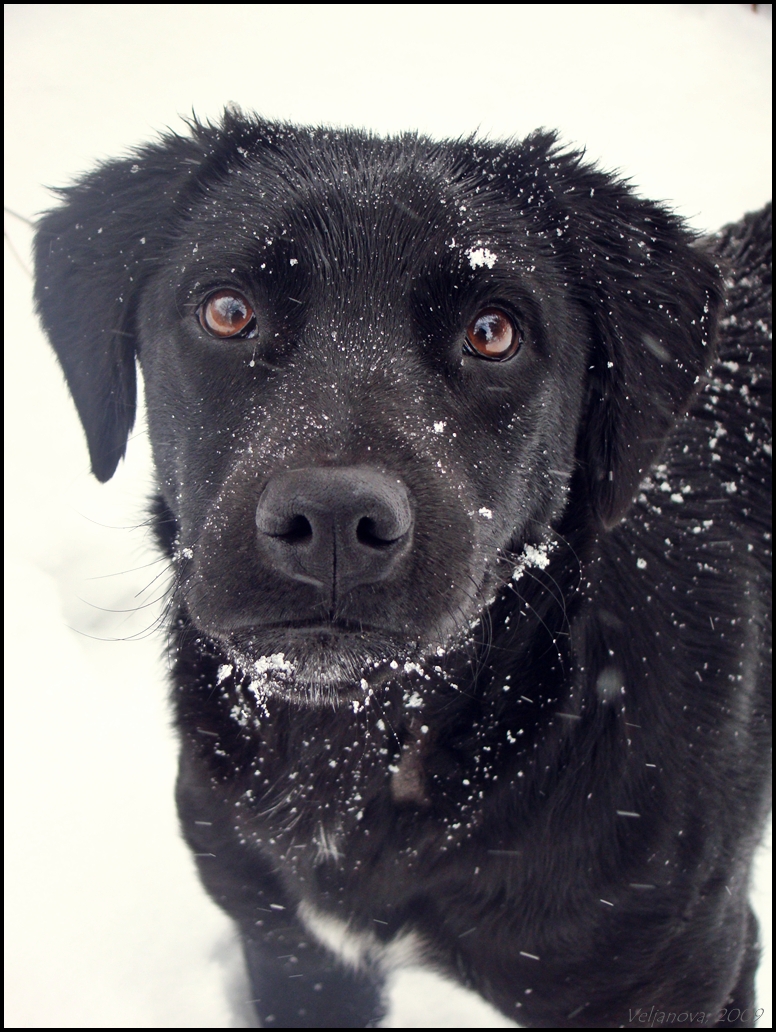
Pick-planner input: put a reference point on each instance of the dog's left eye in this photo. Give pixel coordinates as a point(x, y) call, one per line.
point(492, 334)
point(227, 314)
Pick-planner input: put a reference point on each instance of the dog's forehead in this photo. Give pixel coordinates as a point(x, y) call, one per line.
point(359, 196)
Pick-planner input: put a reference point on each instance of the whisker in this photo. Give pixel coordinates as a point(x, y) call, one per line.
point(131, 569)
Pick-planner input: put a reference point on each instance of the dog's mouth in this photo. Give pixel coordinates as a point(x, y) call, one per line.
point(334, 658)
point(315, 663)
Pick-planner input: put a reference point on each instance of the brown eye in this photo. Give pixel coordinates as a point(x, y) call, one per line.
point(492, 334)
point(227, 314)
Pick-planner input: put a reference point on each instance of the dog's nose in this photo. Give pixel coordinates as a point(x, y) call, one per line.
point(334, 528)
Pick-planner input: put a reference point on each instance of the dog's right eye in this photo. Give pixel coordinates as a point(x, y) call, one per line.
point(227, 314)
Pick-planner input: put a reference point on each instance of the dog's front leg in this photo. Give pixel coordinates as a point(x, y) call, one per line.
point(295, 981)
point(298, 984)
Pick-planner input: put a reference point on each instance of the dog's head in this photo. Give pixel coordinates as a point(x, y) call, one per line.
point(375, 370)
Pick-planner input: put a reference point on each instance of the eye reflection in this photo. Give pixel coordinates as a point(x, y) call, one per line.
point(492, 334)
point(227, 314)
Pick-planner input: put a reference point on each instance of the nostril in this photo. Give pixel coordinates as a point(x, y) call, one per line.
point(368, 533)
point(297, 532)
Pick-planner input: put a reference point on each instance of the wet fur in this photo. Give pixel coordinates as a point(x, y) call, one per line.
point(537, 756)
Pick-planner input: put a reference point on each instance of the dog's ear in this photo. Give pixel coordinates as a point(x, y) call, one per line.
point(652, 298)
point(92, 257)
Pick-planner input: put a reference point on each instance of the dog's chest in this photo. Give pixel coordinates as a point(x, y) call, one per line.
point(348, 818)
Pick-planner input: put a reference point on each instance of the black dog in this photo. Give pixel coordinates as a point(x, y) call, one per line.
point(470, 632)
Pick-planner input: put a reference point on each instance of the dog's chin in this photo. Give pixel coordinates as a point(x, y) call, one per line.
point(316, 668)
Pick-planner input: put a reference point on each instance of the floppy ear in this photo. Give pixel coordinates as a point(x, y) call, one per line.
point(92, 256)
point(653, 300)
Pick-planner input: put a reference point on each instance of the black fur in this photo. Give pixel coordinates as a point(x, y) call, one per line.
point(522, 721)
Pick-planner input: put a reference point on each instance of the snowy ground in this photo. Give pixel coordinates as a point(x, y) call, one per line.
point(107, 925)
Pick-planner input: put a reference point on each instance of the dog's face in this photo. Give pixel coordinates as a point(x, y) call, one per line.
point(375, 372)
point(349, 465)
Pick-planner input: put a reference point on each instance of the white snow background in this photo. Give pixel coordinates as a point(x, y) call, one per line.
point(106, 923)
